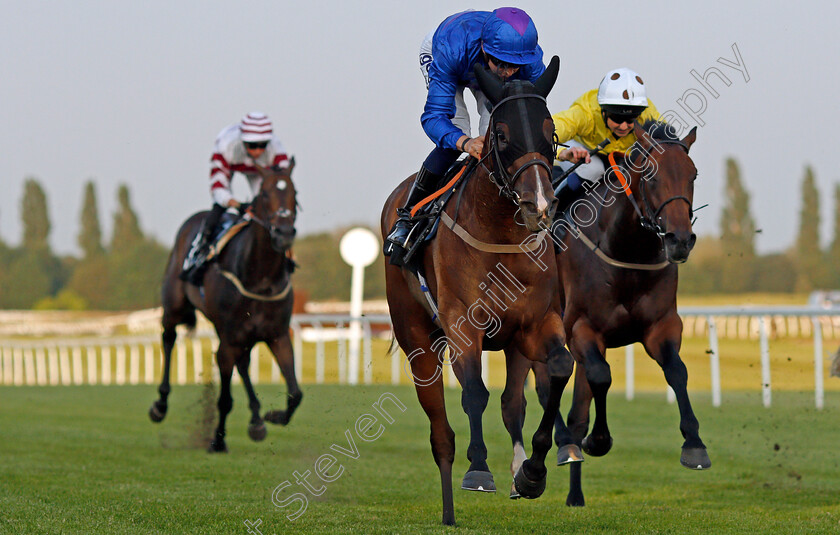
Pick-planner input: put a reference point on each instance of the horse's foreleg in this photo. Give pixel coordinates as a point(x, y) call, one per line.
point(284, 355)
point(427, 376)
point(589, 349)
point(225, 357)
point(663, 345)
point(578, 425)
point(256, 427)
point(561, 435)
point(157, 412)
point(530, 479)
point(513, 407)
point(474, 397)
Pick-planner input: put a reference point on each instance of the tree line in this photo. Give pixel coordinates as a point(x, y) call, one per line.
point(124, 272)
point(728, 263)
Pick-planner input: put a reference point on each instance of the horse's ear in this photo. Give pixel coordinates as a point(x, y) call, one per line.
point(546, 81)
point(690, 138)
point(490, 84)
point(291, 166)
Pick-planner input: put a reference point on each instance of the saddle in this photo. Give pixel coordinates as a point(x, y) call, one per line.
point(425, 216)
point(228, 227)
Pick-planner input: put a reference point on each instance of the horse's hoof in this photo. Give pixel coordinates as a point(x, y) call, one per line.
point(257, 432)
point(276, 417)
point(570, 453)
point(575, 500)
point(527, 487)
point(596, 448)
point(478, 480)
point(514, 494)
point(157, 412)
point(695, 458)
point(217, 446)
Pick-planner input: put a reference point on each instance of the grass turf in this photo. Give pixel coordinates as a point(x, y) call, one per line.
point(87, 460)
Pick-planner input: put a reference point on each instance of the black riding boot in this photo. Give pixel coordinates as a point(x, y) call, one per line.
point(396, 244)
point(195, 264)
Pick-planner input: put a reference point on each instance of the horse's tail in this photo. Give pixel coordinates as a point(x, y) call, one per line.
point(190, 325)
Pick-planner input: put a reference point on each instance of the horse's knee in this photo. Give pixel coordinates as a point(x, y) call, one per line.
point(475, 397)
point(598, 373)
point(169, 336)
point(560, 362)
point(225, 403)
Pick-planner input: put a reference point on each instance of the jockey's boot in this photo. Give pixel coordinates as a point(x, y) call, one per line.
point(396, 244)
point(195, 264)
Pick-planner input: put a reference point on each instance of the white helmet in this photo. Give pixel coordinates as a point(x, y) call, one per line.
point(255, 127)
point(622, 92)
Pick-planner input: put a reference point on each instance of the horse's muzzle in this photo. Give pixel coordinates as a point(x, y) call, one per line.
point(537, 218)
point(282, 238)
point(678, 246)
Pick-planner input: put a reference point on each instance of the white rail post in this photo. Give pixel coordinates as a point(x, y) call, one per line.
point(320, 356)
point(91, 365)
point(149, 363)
point(629, 371)
point(29, 366)
point(41, 365)
point(254, 365)
point(134, 364)
point(78, 375)
point(367, 358)
point(765, 362)
point(297, 337)
point(18, 358)
point(181, 364)
point(342, 353)
point(106, 365)
point(818, 363)
point(485, 367)
point(214, 348)
point(120, 373)
point(198, 361)
point(396, 356)
point(8, 377)
point(52, 359)
point(714, 361)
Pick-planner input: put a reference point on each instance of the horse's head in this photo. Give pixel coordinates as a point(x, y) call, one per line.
point(666, 182)
point(275, 206)
point(521, 142)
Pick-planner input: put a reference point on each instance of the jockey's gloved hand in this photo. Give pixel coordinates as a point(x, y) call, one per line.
point(243, 207)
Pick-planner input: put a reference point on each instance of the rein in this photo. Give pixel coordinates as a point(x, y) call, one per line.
point(649, 222)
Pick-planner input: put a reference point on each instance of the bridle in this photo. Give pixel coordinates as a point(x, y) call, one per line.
point(651, 222)
point(505, 181)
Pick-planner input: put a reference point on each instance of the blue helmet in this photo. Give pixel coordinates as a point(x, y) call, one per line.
point(509, 35)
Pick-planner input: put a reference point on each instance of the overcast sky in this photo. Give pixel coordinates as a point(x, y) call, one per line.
point(135, 93)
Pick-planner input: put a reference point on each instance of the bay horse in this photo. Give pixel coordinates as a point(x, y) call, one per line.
point(483, 291)
point(246, 294)
point(619, 285)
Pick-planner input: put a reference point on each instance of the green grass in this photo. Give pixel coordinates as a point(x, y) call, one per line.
point(87, 460)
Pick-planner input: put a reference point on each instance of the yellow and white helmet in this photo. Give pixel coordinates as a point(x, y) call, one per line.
point(622, 92)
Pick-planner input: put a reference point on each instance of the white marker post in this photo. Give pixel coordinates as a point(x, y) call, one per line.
point(359, 248)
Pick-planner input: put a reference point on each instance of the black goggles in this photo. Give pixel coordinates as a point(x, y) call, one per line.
point(619, 118)
point(256, 144)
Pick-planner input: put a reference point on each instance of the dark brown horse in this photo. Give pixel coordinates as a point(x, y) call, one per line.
point(619, 285)
point(248, 297)
point(485, 292)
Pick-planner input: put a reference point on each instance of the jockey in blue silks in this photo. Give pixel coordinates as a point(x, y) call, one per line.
point(504, 41)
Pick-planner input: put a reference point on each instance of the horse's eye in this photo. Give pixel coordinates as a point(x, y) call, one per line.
point(281, 185)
